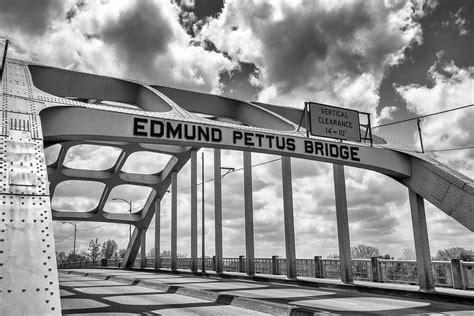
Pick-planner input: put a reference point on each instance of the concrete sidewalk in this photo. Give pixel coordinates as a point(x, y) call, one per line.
point(305, 296)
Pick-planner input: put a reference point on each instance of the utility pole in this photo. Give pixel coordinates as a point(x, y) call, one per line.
point(4, 59)
point(75, 231)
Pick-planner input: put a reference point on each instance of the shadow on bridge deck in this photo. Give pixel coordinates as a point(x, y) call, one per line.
point(305, 296)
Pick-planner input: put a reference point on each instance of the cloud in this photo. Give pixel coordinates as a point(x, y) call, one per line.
point(146, 162)
point(30, 17)
point(458, 22)
point(140, 40)
point(333, 52)
point(147, 19)
point(91, 157)
point(74, 195)
point(450, 87)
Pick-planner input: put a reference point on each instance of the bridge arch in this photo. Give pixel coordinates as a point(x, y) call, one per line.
point(43, 106)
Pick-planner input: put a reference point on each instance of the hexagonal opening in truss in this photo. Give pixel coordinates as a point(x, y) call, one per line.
point(77, 196)
point(126, 197)
point(51, 154)
point(146, 162)
point(91, 157)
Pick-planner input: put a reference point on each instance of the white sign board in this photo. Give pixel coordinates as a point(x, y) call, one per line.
point(333, 122)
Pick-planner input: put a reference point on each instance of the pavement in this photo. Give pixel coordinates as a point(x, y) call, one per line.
point(114, 291)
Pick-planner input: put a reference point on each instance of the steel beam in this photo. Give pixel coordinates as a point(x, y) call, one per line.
point(97, 125)
point(194, 234)
point(342, 224)
point(448, 190)
point(422, 244)
point(249, 233)
point(143, 248)
point(28, 271)
point(157, 233)
point(218, 209)
point(174, 221)
point(288, 216)
point(132, 250)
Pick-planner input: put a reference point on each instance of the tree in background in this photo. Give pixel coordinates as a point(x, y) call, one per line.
point(73, 257)
point(109, 249)
point(364, 252)
point(386, 256)
point(408, 254)
point(151, 253)
point(165, 254)
point(455, 253)
point(84, 255)
point(121, 253)
point(94, 249)
point(61, 257)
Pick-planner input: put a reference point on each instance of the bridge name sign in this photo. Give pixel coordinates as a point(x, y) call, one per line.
point(333, 122)
point(169, 130)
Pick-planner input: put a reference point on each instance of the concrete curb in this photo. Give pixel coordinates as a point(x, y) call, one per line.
point(226, 299)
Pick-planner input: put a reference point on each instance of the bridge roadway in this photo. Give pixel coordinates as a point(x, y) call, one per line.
point(113, 291)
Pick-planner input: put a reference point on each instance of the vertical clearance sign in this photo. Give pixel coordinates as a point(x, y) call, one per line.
point(333, 122)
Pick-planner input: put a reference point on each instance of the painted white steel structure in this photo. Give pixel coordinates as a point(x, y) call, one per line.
point(42, 106)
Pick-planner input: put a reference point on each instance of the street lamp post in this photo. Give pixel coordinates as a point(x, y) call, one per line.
point(130, 211)
point(75, 230)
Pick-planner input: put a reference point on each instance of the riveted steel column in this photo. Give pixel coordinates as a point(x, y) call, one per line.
point(342, 223)
point(143, 248)
point(28, 270)
point(157, 233)
point(174, 220)
point(422, 245)
point(289, 221)
point(249, 238)
point(194, 245)
point(218, 209)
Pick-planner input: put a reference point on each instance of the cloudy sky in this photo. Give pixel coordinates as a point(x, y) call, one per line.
point(395, 59)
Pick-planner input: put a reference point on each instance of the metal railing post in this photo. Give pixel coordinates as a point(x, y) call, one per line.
point(275, 270)
point(241, 264)
point(456, 272)
point(318, 267)
point(375, 265)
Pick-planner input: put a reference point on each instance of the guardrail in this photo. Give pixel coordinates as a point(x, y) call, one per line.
point(455, 273)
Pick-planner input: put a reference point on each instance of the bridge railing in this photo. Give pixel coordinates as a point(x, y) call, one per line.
point(405, 271)
point(455, 273)
point(231, 265)
point(467, 269)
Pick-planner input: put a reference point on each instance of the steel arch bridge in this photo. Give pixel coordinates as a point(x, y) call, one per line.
point(42, 106)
